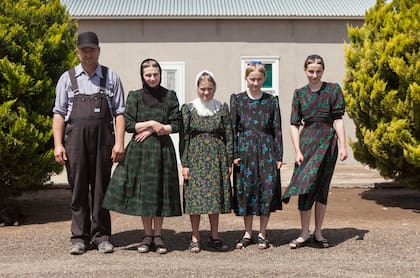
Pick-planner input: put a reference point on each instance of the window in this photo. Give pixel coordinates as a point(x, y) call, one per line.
point(271, 64)
point(173, 78)
point(169, 79)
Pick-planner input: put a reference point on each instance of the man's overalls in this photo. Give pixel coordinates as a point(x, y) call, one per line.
point(88, 139)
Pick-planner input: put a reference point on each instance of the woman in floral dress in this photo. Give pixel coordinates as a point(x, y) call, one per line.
point(258, 154)
point(206, 154)
point(320, 106)
point(146, 183)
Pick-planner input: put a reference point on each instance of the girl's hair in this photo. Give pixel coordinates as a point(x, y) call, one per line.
point(254, 65)
point(314, 59)
point(205, 75)
point(149, 63)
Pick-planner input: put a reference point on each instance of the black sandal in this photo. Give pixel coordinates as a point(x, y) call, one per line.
point(294, 244)
point(195, 247)
point(160, 248)
point(145, 245)
point(243, 243)
point(263, 243)
point(323, 243)
point(218, 244)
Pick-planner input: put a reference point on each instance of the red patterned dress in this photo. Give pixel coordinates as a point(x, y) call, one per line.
point(316, 111)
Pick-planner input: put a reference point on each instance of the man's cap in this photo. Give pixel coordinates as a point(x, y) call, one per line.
point(87, 39)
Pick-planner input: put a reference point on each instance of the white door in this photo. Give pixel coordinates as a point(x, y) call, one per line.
point(173, 78)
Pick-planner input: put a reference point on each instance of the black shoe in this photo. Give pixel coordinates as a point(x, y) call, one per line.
point(263, 243)
point(218, 244)
point(323, 243)
point(243, 243)
point(146, 244)
point(160, 248)
point(195, 247)
point(78, 248)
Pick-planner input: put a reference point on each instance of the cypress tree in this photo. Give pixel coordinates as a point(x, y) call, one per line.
point(382, 89)
point(37, 42)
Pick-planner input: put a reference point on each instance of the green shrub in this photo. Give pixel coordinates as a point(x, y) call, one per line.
point(382, 89)
point(37, 42)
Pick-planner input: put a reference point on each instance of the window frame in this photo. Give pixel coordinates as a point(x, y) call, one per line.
point(273, 60)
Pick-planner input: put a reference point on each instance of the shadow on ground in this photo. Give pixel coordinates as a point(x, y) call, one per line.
point(394, 197)
point(130, 240)
point(53, 205)
point(37, 207)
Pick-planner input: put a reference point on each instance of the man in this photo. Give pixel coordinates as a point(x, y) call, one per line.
point(88, 99)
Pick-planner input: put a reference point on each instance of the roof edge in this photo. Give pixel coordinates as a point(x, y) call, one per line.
point(214, 18)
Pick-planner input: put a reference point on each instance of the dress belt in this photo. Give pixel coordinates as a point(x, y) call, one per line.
point(311, 121)
point(212, 134)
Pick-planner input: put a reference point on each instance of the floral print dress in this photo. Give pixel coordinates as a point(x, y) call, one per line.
point(206, 149)
point(258, 143)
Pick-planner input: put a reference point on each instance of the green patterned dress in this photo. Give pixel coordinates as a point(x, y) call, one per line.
point(146, 183)
point(318, 142)
point(206, 147)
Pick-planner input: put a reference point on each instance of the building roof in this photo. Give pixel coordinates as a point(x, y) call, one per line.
point(231, 9)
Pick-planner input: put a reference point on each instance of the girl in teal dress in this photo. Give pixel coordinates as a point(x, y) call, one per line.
point(258, 154)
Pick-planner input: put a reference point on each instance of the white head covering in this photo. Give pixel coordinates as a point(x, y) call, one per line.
point(203, 107)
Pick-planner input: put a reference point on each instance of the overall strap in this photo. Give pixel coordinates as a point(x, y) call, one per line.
point(73, 81)
point(103, 79)
point(75, 86)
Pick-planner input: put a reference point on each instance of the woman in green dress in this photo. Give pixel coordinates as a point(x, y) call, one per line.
point(318, 137)
point(206, 154)
point(146, 183)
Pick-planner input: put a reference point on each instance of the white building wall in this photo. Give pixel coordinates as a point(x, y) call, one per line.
point(218, 45)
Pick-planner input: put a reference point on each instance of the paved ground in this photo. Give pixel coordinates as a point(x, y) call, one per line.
point(374, 226)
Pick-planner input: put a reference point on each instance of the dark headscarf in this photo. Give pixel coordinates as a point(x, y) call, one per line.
point(152, 95)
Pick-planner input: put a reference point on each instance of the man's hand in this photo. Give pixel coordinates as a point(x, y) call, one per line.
point(117, 153)
point(60, 154)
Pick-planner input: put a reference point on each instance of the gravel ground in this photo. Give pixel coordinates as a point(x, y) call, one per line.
point(375, 232)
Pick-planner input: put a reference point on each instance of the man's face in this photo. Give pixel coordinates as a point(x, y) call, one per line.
point(88, 56)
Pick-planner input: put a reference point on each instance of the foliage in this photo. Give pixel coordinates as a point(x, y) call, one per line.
point(36, 46)
point(382, 88)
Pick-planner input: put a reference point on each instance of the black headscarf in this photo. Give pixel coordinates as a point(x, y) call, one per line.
point(152, 95)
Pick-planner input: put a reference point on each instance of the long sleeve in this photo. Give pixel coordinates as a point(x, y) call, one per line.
point(227, 123)
point(277, 130)
point(184, 135)
point(338, 103)
point(131, 111)
point(235, 121)
point(174, 114)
